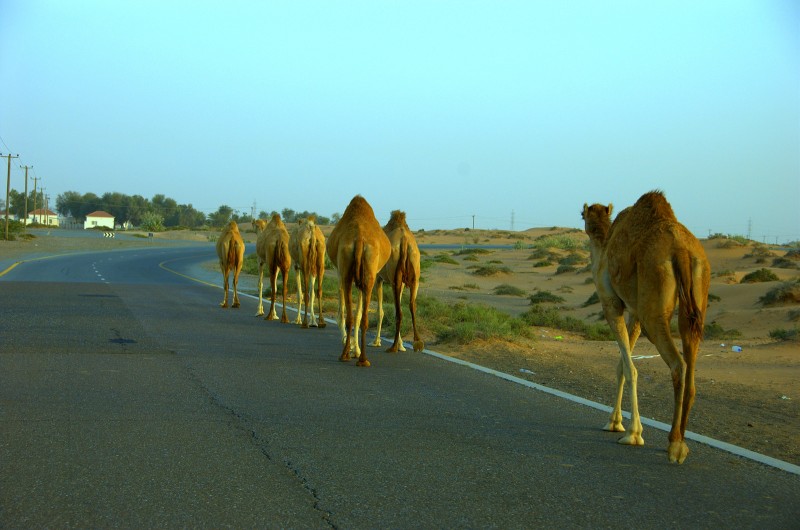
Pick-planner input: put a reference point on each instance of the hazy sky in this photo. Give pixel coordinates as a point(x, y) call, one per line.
point(501, 110)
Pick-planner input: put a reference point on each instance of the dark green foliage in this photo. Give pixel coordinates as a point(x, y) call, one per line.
point(545, 297)
point(760, 275)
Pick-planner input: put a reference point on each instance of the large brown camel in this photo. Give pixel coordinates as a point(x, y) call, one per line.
point(230, 250)
point(401, 270)
point(646, 262)
point(359, 248)
point(272, 250)
point(307, 247)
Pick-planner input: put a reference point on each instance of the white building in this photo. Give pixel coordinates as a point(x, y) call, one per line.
point(42, 216)
point(99, 219)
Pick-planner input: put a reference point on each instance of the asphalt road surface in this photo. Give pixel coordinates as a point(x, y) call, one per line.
point(129, 398)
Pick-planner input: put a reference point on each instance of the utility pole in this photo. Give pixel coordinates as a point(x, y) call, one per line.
point(25, 222)
point(35, 180)
point(473, 221)
point(8, 187)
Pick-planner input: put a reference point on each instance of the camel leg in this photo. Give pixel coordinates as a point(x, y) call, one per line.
point(677, 449)
point(346, 304)
point(633, 436)
point(311, 285)
point(340, 320)
point(362, 360)
point(377, 341)
point(260, 310)
point(634, 330)
point(273, 283)
point(284, 274)
point(299, 318)
point(225, 283)
point(357, 327)
point(418, 344)
point(397, 294)
point(321, 274)
point(236, 287)
point(615, 421)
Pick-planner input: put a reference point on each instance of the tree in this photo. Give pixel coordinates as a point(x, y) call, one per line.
point(221, 217)
point(152, 221)
point(68, 204)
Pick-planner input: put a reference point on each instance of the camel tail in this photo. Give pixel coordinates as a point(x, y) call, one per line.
point(233, 256)
point(358, 254)
point(403, 271)
point(688, 294)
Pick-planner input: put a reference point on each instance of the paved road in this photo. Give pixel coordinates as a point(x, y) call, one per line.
point(129, 398)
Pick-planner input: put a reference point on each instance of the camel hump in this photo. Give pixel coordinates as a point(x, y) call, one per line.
point(655, 205)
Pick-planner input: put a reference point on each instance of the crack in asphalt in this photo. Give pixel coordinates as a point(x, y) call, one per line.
point(242, 423)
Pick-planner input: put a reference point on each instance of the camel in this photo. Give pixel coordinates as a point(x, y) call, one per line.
point(307, 248)
point(230, 250)
point(401, 270)
point(359, 248)
point(646, 262)
point(272, 250)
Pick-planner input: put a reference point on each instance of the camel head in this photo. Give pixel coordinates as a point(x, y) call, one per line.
point(597, 221)
point(259, 225)
point(397, 219)
point(233, 227)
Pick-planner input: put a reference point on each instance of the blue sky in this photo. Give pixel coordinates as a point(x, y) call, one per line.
point(501, 110)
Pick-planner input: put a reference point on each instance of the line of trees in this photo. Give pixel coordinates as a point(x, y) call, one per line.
point(158, 213)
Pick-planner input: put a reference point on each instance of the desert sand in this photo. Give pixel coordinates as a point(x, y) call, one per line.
point(749, 398)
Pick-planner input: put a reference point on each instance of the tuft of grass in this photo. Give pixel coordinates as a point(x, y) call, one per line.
point(470, 251)
point(594, 299)
point(784, 334)
point(545, 297)
point(786, 293)
point(491, 270)
point(508, 290)
point(784, 263)
point(543, 263)
point(714, 331)
point(713, 298)
point(794, 315)
point(760, 275)
point(463, 323)
point(553, 318)
point(561, 241)
point(465, 287)
point(563, 269)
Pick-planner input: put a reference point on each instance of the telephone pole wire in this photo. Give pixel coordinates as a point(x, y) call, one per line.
point(8, 186)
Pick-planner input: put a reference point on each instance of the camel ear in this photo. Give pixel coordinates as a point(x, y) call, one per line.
point(585, 210)
point(609, 209)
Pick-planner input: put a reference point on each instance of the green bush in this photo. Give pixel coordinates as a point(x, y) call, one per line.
point(784, 334)
point(509, 290)
point(760, 275)
point(714, 331)
point(545, 297)
point(491, 270)
point(563, 269)
point(786, 293)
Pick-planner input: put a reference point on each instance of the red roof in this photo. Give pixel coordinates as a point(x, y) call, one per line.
point(100, 213)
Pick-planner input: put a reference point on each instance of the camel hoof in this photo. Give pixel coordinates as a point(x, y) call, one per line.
point(376, 342)
point(223, 304)
point(677, 452)
point(322, 324)
point(614, 427)
point(345, 357)
point(419, 345)
point(365, 363)
point(631, 439)
point(260, 313)
point(235, 305)
point(304, 325)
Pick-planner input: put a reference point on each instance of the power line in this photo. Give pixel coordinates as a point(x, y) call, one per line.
point(8, 185)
